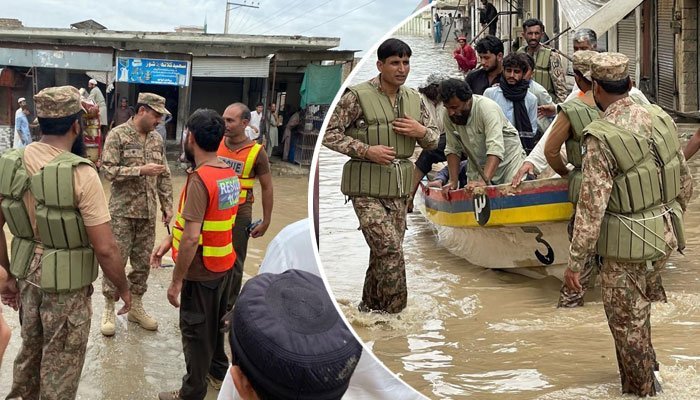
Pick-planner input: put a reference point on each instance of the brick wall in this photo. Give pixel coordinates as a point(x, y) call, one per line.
point(687, 51)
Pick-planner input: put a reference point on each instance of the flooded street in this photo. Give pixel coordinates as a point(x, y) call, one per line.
point(486, 334)
point(137, 364)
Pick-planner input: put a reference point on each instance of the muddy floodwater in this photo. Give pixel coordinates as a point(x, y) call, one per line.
point(485, 334)
point(137, 364)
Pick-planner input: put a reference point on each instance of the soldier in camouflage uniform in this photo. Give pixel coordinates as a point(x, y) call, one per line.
point(383, 218)
point(134, 161)
point(554, 77)
point(55, 324)
point(630, 271)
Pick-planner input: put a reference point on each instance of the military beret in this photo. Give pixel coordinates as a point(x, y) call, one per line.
point(609, 66)
point(57, 102)
point(289, 340)
point(157, 103)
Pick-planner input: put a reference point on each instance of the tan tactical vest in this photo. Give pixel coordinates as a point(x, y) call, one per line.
point(68, 262)
point(580, 115)
point(645, 189)
point(541, 74)
point(365, 178)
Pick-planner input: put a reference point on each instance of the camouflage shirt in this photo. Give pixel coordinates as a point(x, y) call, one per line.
point(133, 195)
point(348, 111)
point(599, 169)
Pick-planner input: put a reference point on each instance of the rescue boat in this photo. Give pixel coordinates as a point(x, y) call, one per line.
point(522, 230)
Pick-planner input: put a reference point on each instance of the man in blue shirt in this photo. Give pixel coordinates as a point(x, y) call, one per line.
point(22, 135)
point(514, 98)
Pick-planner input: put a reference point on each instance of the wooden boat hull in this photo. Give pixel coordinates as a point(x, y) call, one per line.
point(522, 230)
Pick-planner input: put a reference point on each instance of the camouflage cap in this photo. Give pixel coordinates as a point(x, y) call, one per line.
point(57, 102)
point(157, 103)
point(582, 62)
point(610, 66)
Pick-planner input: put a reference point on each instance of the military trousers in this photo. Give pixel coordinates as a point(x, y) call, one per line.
point(240, 246)
point(569, 298)
point(55, 330)
point(202, 306)
point(383, 224)
point(628, 291)
point(135, 238)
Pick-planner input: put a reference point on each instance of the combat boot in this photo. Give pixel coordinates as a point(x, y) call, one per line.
point(108, 319)
point(138, 314)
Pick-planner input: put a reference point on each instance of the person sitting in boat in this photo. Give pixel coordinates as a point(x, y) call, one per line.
point(429, 92)
point(476, 126)
point(443, 176)
point(513, 96)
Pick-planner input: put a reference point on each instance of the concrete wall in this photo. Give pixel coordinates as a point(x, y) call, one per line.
point(687, 51)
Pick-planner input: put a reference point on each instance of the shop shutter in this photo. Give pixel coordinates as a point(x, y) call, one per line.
point(230, 67)
point(665, 49)
point(627, 41)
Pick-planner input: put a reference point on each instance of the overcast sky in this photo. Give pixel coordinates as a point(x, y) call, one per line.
point(359, 23)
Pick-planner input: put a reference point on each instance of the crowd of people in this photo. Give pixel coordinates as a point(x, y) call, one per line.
point(506, 122)
point(64, 230)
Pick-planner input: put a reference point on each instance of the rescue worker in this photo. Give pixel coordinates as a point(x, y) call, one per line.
point(549, 71)
point(56, 210)
point(369, 118)
point(134, 161)
point(573, 117)
point(635, 186)
point(247, 160)
point(202, 247)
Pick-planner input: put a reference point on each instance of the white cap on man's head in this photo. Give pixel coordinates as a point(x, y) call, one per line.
point(92, 81)
point(21, 99)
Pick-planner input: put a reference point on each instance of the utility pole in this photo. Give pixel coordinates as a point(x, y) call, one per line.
point(230, 5)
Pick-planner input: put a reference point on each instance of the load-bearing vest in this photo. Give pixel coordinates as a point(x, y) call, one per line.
point(580, 115)
point(242, 162)
point(215, 237)
point(542, 74)
point(365, 178)
point(644, 190)
point(68, 261)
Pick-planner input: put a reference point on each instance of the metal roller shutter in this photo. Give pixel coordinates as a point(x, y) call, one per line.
point(627, 41)
point(665, 49)
point(230, 67)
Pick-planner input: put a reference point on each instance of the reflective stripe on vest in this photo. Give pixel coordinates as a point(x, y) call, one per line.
point(633, 225)
point(242, 161)
point(541, 74)
point(215, 237)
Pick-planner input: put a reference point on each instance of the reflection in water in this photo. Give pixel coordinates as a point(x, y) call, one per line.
point(468, 331)
point(137, 364)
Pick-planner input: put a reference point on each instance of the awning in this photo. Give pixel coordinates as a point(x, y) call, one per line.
point(599, 15)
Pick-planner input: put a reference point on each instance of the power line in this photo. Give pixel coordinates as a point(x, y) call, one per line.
point(341, 15)
point(284, 8)
point(303, 14)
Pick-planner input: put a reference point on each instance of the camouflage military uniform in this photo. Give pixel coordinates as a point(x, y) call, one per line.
point(54, 327)
point(557, 74)
point(628, 288)
point(383, 221)
point(133, 201)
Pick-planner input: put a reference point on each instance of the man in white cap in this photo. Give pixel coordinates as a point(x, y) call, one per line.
point(99, 99)
point(22, 135)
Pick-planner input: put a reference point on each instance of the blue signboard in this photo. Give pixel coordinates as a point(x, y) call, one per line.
point(153, 71)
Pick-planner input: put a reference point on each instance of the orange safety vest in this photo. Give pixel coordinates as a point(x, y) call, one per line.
point(216, 237)
point(242, 162)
